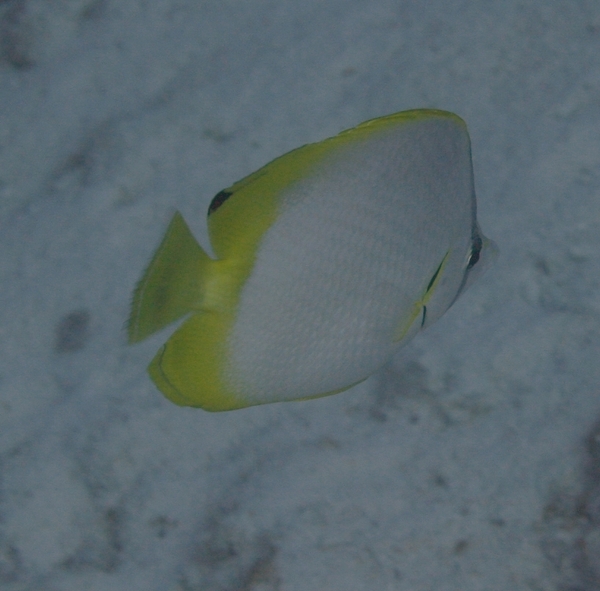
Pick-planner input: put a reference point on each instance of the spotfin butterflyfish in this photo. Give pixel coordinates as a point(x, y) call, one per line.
point(328, 259)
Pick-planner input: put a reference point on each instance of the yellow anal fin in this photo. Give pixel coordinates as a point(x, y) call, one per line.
point(171, 285)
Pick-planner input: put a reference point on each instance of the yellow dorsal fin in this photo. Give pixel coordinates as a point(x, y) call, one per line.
point(171, 285)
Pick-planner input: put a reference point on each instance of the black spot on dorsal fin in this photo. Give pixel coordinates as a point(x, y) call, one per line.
point(218, 200)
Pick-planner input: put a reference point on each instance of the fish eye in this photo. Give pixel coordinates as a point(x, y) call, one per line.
point(476, 247)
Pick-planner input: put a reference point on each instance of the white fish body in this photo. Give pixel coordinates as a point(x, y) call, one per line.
point(330, 258)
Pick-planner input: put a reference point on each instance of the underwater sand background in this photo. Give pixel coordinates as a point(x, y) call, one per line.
point(471, 462)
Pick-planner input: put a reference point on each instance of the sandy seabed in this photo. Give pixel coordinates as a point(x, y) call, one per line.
point(471, 462)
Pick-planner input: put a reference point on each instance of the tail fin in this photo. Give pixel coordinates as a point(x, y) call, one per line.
point(172, 284)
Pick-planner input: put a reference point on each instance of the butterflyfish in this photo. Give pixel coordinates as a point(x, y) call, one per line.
point(327, 260)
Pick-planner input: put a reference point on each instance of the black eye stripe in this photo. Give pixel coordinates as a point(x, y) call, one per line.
point(475, 252)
